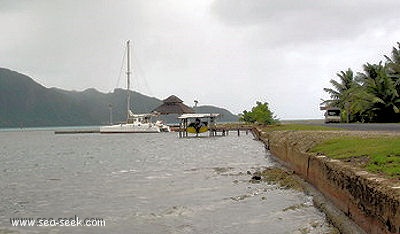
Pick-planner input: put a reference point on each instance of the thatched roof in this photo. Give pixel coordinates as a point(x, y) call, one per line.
point(173, 105)
point(172, 99)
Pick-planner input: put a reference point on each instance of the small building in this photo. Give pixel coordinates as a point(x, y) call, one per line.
point(189, 121)
point(197, 123)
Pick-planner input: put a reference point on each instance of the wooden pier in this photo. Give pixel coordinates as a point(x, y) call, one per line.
point(224, 130)
point(213, 130)
point(207, 127)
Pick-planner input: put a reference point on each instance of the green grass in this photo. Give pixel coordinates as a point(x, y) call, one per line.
point(281, 177)
point(282, 127)
point(383, 153)
point(298, 127)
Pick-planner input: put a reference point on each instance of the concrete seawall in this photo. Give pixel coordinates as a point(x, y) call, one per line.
point(372, 202)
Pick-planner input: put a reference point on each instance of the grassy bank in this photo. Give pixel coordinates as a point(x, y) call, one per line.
point(375, 154)
point(371, 152)
point(278, 127)
point(298, 127)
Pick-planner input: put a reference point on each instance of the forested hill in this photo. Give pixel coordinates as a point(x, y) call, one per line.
point(25, 103)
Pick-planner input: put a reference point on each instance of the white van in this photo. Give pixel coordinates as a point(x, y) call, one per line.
point(332, 115)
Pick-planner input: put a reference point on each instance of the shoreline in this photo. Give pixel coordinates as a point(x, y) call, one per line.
point(367, 199)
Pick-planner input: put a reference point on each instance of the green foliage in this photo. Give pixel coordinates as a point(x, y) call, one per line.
point(341, 93)
point(299, 127)
point(380, 93)
point(259, 114)
point(371, 95)
point(383, 153)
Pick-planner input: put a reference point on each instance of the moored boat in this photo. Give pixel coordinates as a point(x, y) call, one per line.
point(135, 123)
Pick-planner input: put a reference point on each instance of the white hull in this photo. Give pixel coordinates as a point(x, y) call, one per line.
point(131, 128)
point(135, 123)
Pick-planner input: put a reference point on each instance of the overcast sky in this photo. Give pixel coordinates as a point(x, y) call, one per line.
point(228, 53)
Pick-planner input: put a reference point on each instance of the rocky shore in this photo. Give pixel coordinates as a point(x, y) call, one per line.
point(371, 201)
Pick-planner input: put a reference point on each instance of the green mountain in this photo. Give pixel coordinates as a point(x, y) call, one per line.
point(25, 103)
point(226, 116)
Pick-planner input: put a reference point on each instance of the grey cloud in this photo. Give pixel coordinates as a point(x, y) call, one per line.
point(243, 51)
point(306, 21)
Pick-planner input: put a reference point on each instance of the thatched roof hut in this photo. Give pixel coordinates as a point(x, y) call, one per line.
point(173, 105)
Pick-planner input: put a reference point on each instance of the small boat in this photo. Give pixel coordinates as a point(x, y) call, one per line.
point(135, 123)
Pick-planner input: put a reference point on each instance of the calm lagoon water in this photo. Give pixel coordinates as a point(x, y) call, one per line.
point(146, 183)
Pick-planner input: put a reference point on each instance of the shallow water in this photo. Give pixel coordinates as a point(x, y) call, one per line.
point(146, 183)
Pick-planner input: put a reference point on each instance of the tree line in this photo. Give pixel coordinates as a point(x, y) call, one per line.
point(371, 95)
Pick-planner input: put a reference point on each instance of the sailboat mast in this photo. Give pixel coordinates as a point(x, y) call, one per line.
point(128, 74)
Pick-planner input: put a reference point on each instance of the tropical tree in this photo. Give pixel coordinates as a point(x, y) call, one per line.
point(380, 94)
point(393, 66)
point(393, 63)
point(259, 114)
point(340, 91)
point(371, 95)
point(344, 93)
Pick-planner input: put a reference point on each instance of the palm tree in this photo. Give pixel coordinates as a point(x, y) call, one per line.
point(372, 95)
point(393, 66)
point(343, 91)
point(340, 89)
point(379, 96)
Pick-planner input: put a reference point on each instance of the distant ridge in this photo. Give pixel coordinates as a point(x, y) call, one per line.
point(25, 103)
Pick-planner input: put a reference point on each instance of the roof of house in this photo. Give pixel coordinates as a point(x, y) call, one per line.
point(173, 105)
point(172, 99)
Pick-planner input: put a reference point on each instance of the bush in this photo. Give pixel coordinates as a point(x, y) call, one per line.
point(259, 114)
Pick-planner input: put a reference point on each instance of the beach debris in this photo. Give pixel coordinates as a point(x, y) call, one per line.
point(256, 177)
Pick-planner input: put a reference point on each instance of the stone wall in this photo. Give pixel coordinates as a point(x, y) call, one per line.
point(370, 201)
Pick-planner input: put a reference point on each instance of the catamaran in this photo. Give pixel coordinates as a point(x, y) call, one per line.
point(135, 123)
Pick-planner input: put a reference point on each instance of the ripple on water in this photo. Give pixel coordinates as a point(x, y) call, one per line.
point(148, 183)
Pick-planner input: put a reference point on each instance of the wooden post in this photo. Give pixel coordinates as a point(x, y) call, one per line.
point(186, 133)
point(180, 129)
point(184, 128)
